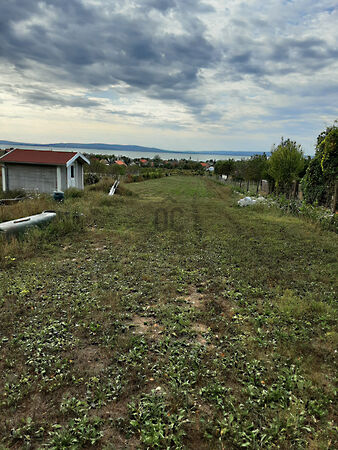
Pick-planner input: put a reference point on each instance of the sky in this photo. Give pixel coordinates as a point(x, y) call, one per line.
point(175, 74)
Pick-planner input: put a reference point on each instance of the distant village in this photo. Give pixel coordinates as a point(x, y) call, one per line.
point(120, 163)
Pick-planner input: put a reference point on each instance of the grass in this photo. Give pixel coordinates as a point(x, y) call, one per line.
point(170, 318)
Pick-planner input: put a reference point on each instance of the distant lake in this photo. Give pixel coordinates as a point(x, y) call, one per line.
point(139, 154)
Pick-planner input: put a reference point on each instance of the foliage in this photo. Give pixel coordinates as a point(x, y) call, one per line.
point(329, 147)
point(18, 193)
point(79, 433)
point(96, 166)
point(91, 178)
point(314, 187)
point(257, 167)
point(123, 190)
point(320, 177)
point(285, 164)
point(74, 193)
point(225, 167)
point(146, 175)
point(156, 425)
point(239, 172)
point(316, 214)
point(103, 185)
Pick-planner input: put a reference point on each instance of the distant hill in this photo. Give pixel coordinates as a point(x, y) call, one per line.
point(130, 148)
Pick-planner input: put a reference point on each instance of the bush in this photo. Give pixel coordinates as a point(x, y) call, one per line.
point(319, 182)
point(317, 214)
point(104, 185)
point(74, 193)
point(147, 175)
point(18, 193)
point(123, 190)
point(91, 178)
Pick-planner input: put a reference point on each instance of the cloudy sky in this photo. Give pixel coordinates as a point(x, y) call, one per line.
point(175, 74)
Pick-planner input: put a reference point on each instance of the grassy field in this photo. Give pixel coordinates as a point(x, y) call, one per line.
point(170, 318)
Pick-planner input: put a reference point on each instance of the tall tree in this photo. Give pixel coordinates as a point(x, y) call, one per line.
point(286, 164)
point(225, 167)
point(256, 168)
point(239, 171)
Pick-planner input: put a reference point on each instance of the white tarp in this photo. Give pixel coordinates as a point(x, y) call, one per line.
point(248, 201)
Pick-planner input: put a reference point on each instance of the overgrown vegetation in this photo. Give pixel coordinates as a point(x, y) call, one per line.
point(320, 182)
point(287, 167)
point(168, 319)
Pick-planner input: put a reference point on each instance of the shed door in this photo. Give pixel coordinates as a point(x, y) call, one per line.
point(72, 179)
point(32, 178)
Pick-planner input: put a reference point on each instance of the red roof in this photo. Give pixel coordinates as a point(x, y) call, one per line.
point(120, 162)
point(143, 161)
point(204, 164)
point(37, 157)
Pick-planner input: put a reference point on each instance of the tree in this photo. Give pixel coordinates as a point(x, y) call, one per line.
point(239, 172)
point(329, 162)
point(285, 165)
point(319, 183)
point(96, 166)
point(225, 167)
point(313, 184)
point(157, 161)
point(256, 169)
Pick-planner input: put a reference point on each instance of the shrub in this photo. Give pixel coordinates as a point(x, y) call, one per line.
point(73, 193)
point(91, 178)
point(123, 190)
point(103, 185)
point(18, 193)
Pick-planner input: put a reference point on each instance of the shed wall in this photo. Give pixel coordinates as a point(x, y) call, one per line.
point(31, 177)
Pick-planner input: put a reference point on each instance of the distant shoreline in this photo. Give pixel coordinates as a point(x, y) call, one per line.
point(130, 148)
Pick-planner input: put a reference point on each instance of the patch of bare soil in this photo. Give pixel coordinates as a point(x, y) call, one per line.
point(200, 328)
point(91, 359)
point(195, 298)
point(146, 325)
point(112, 437)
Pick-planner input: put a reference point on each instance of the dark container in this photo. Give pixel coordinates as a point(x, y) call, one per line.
point(58, 196)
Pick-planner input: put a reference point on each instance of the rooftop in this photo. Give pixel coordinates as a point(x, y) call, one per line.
point(39, 157)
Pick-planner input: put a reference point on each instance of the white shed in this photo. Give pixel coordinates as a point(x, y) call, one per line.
point(42, 170)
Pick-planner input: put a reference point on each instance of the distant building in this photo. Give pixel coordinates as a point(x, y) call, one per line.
point(42, 170)
point(119, 162)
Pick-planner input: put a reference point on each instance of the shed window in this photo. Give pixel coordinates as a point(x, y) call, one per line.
point(72, 171)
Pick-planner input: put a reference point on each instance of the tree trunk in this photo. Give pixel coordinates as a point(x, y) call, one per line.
point(257, 187)
point(295, 189)
point(247, 186)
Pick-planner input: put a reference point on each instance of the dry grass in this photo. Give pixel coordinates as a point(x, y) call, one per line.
point(25, 208)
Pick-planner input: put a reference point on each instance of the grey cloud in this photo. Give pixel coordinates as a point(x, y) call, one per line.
point(260, 58)
point(161, 5)
point(77, 44)
point(85, 47)
point(185, 5)
point(49, 100)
